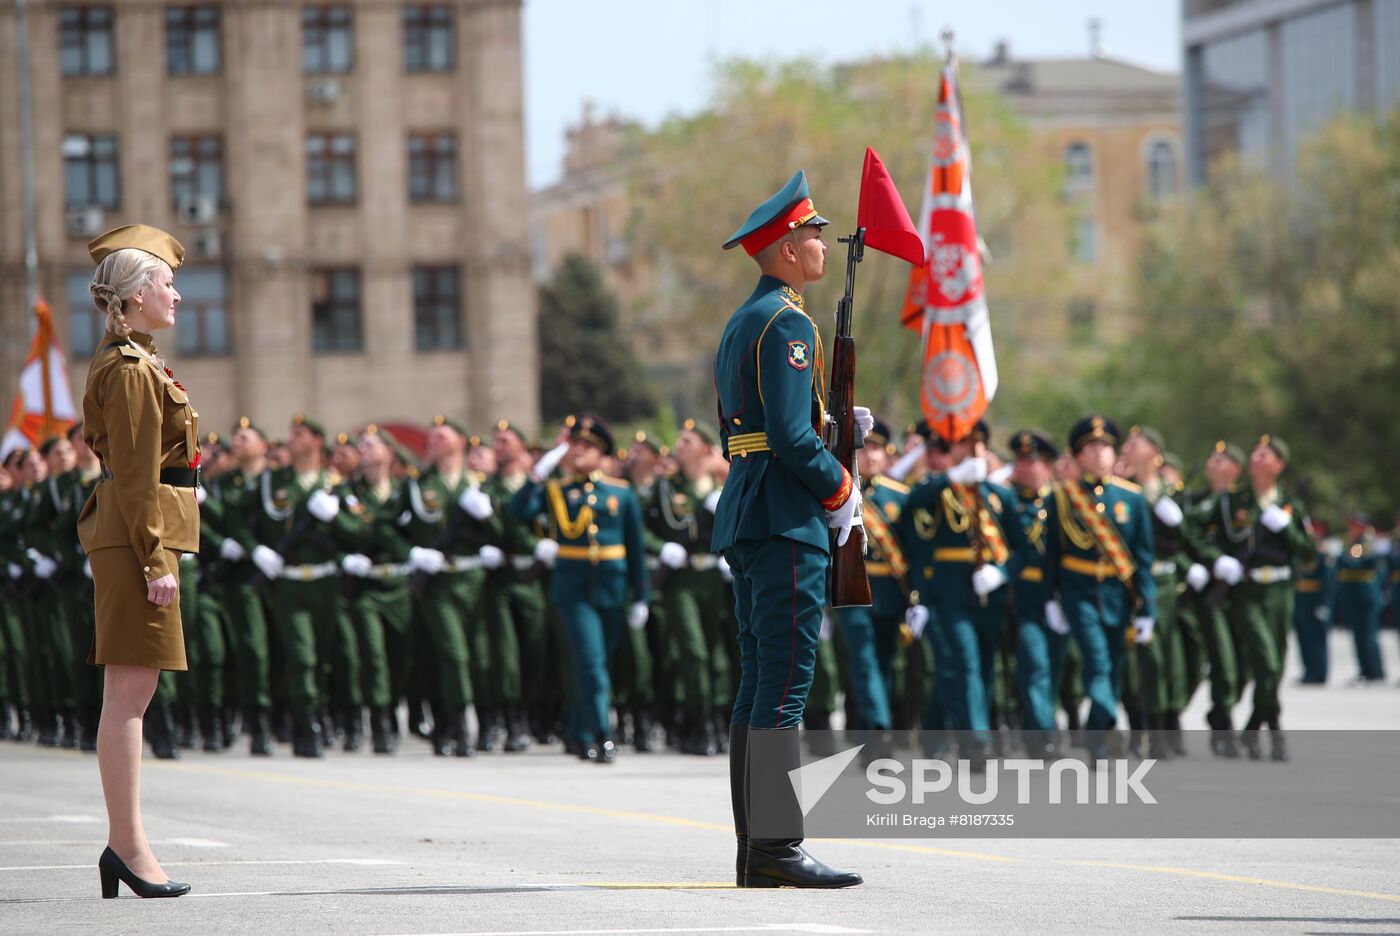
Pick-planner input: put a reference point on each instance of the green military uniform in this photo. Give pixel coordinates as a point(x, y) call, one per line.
point(378, 602)
point(690, 597)
point(205, 641)
point(320, 653)
point(1259, 606)
point(600, 568)
point(17, 668)
point(1362, 571)
point(1099, 554)
point(450, 603)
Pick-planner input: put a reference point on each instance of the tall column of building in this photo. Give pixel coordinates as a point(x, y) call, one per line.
point(500, 297)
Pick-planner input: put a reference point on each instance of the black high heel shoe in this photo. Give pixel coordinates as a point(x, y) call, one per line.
point(113, 869)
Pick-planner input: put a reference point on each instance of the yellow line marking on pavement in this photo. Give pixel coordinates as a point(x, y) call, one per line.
point(1235, 879)
point(658, 818)
point(660, 885)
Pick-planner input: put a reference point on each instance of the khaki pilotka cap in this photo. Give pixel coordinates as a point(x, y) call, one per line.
point(153, 241)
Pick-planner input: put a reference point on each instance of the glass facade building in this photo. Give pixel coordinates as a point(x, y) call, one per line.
point(1261, 75)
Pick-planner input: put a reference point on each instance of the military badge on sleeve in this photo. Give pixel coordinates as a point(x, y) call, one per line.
point(799, 356)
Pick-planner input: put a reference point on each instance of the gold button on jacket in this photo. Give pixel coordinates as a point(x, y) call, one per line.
point(139, 421)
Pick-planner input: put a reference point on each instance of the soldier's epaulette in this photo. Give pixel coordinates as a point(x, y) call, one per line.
point(1126, 485)
point(620, 482)
point(130, 351)
point(882, 481)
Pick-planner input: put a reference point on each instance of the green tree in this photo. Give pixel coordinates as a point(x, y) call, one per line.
point(763, 121)
point(586, 363)
point(1275, 307)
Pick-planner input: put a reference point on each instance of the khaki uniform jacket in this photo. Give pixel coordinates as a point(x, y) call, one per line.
point(138, 421)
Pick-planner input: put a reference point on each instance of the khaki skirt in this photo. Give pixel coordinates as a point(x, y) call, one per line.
point(130, 630)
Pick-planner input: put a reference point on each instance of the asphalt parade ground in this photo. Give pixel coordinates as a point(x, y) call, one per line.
point(537, 843)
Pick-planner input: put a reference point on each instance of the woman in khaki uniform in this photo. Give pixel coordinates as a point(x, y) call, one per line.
point(140, 517)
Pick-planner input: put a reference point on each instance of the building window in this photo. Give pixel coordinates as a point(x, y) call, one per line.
point(428, 38)
point(202, 326)
point(192, 40)
point(1082, 316)
point(1085, 246)
point(86, 325)
point(1161, 169)
point(432, 167)
point(196, 168)
point(90, 171)
point(330, 169)
point(437, 308)
point(1079, 170)
point(327, 40)
point(85, 45)
point(335, 311)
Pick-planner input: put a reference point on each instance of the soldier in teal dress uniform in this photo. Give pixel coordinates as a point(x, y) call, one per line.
point(600, 578)
point(1099, 553)
point(771, 524)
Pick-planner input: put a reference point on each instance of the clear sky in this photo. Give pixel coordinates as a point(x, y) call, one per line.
point(649, 58)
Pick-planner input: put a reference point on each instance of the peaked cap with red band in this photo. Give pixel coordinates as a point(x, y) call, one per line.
point(788, 210)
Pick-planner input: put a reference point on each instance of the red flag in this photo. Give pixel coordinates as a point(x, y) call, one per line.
point(945, 302)
point(883, 215)
point(44, 406)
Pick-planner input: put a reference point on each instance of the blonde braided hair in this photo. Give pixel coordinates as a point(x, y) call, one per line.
point(121, 275)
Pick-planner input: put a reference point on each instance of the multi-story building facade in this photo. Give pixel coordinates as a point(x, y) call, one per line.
point(1262, 74)
point(348, 179)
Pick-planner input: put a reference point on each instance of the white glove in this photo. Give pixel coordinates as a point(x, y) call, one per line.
point(546, 551)
point(44, 567)
point(673, 556)
point(268, 562)
point(1003, 474)
point(491, 557)
point(200, 495)
point(1382, 547)
point(906, 461)
point(968, 471)
point(916, 616)
point(725, 572)
point(232, 550)
point(14, 570)
point(845, 517)
point(637, 615)
point(824, 631)
point(712, 502)
point(423, 559)
point(1229, 570)
point(87, 567)
point(865, 421)
point(1168, 511)
point(551, 459)
point(323, 506)
point(476, 503)
point(987, 579)
point(1197, 577)
point(1275, 518)
point(356, 565)
point(1142, 630)
point(1055, 618)
point(1324, 613)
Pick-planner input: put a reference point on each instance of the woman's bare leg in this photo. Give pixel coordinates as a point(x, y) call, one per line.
point(127, 690)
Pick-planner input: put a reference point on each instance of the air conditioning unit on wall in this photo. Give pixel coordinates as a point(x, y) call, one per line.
point(84, 220)
point(197, 209)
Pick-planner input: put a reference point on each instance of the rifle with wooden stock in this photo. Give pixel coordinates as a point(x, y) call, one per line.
point(850, 585)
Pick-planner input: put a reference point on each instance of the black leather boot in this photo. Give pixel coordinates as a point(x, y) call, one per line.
point(160, 732)
point(354, 718)
point(462, 735)
point(211, 729)
point(46, 724)
point(738, 796)
point(381, 727)
point(24, 729)
point(260, 737)
point(5, 709)
point(641, 739)
point(1278, 749)
point(780, 861)
point(517, 730)
point(306, 737)
point(1175, 739)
